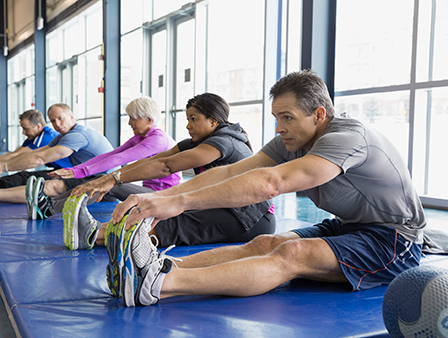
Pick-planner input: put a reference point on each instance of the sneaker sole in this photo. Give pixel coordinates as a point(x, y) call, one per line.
point(129, 278)
point(113, 240)
point(128, 271)
point(70, 216)
point(37, 213)
point(29, 197)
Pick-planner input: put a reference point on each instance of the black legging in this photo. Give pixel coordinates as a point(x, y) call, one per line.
point(210, 226)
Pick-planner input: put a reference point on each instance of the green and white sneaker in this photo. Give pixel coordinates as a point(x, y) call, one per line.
point(80, 228)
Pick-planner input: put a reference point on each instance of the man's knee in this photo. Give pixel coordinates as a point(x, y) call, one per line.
point(265, 244)
point(54, 188)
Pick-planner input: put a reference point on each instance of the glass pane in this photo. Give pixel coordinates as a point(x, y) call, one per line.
point(52, 49)
point(158, 71)
point(181, 126)
point(65, 85)
point(250, 118)
point(11, 70)
point(235, 54)
point(52, 87)
point(162, 122)
point(373, 45)
point(29, 93)
point(163, 7)
point(13, 108)
point(75, 89)
point(438, 57)
point(13, 116)
point(131, 68)
point(131, 14)
point(96, 124)
point(13, 135)
point(94, 75)
point(94, 26)
point(126, 131)
point(386, 112)
point(431, 118)
point(71, 41)
point(28, 61)
point(185, 63)
point(441, 38)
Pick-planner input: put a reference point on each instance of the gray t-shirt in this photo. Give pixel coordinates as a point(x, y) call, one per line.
point(86, 143)
point(375, 185)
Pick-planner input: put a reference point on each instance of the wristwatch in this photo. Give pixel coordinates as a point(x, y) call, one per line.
point(116, 175)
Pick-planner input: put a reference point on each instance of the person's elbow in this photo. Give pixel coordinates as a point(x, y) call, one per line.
point(164, 168)
point(272, 185)
point(38, 161)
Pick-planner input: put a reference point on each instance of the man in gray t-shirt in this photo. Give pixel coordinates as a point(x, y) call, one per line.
point(343, 166)
point(374, 186)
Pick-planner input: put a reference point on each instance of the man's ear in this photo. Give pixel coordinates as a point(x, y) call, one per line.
point(320, 114)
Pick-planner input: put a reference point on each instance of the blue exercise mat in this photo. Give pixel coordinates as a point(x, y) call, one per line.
point(54, 292)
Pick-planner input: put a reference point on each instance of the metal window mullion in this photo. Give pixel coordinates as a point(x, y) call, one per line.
point(429, 97)
point(170, 81)
point(270, 62)
point(413, 89)
point(146, 84)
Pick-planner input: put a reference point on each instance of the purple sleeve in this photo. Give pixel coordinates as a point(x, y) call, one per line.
point(128, 152)
point(103, 162)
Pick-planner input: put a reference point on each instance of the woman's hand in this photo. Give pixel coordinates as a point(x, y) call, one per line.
point(62, 173)
point(100, 186)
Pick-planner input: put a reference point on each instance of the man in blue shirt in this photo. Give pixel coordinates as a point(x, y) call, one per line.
point(75, 142)
point(38, 135)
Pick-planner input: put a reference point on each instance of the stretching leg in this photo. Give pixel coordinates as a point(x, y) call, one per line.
point(13, 195)
point(300, 258)
point(17, 194)
point(54, 188)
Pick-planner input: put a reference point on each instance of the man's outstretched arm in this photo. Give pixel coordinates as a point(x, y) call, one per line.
point(247, 188)
point(37, 157)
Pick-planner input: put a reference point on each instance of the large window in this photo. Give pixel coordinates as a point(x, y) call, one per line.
point(20, 93)
point(74, 69)
point(393, 76)
point(131, 77)
point(235, 61)
point(186, 52)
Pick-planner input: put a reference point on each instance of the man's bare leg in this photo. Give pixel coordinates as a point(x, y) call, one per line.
point(13, 195)
point(301, 258)
point(54, 188)
point(261, 245)
point(18, 195)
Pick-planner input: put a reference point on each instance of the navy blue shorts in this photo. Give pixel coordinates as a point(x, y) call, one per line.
point(368, 254)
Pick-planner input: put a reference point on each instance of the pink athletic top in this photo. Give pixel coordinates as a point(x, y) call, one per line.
point(136, 148)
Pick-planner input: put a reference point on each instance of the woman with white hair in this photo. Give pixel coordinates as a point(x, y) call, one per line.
point(45, 198)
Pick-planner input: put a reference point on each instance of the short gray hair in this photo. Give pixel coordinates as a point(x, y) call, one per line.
point(308, 88)
point(34, 116)
point(144, 107)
